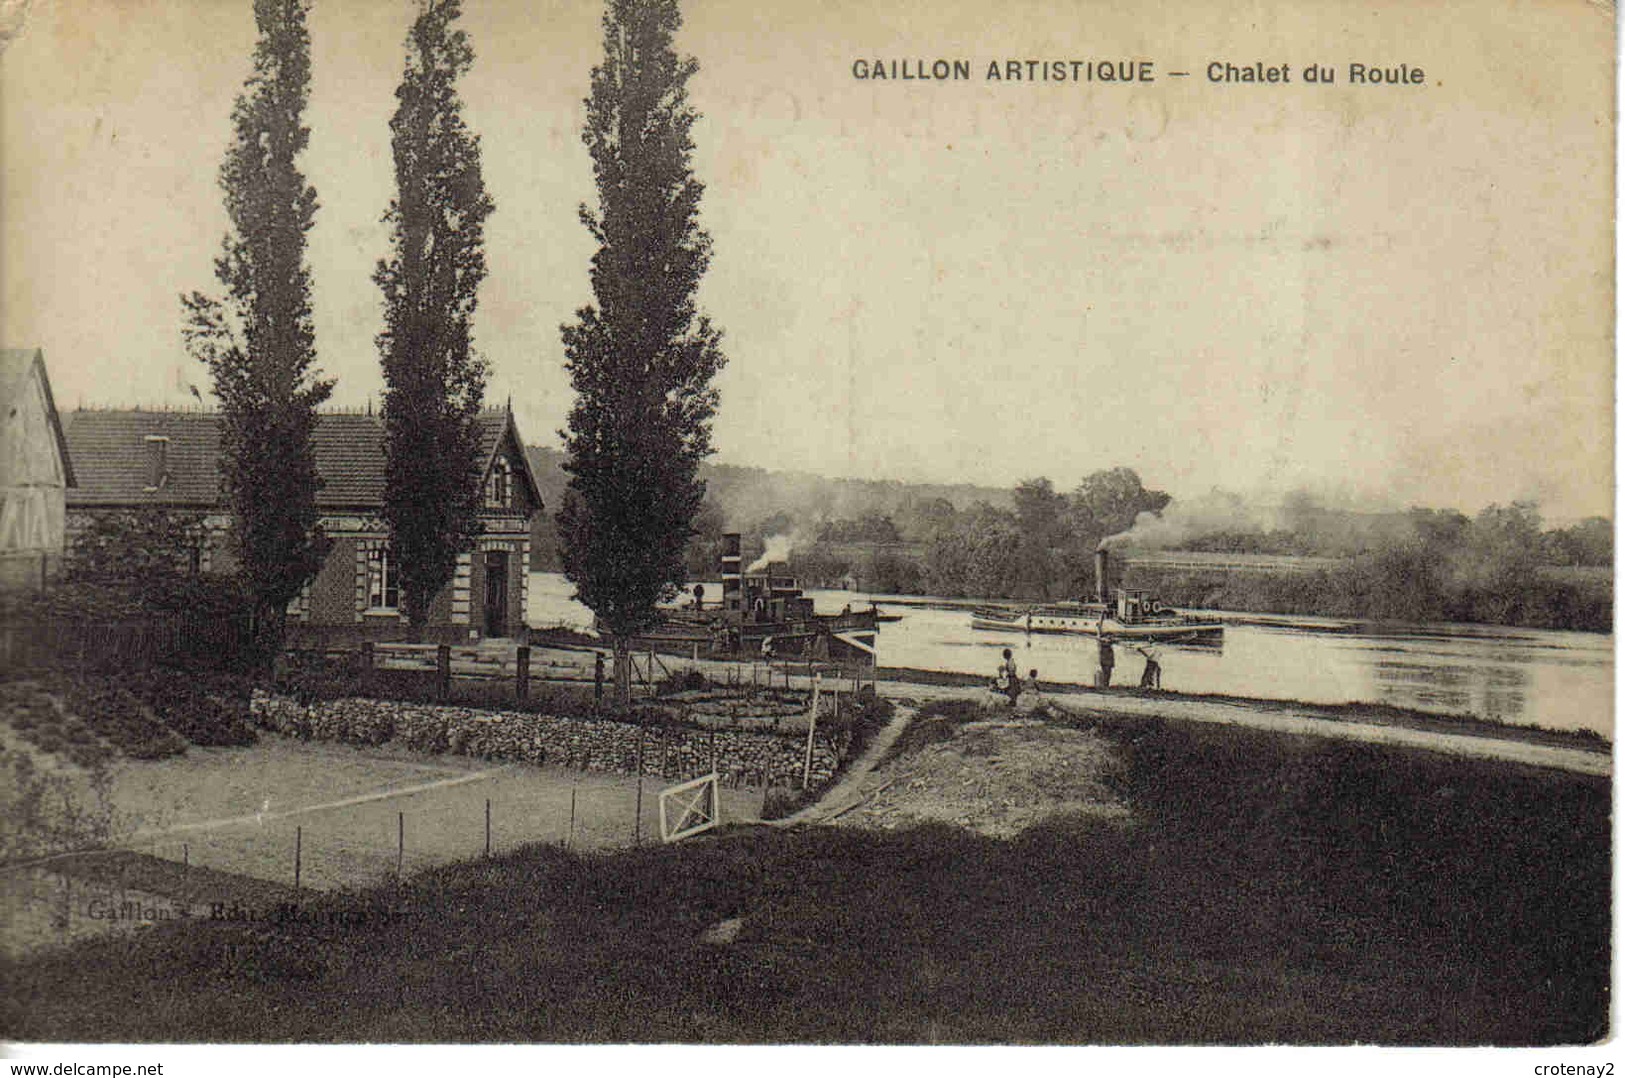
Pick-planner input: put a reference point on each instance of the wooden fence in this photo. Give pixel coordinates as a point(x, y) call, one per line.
point(126, 643)
point(501, 673)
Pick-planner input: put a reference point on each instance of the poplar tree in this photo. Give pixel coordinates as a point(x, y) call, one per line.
point(641, 358)
point(435, 381)
point(258, 339)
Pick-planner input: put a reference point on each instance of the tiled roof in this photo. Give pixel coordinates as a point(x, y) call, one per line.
point(110, 457)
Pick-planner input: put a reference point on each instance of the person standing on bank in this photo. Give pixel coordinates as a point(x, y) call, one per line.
point(1152, 677)
point(1009, 677)
point(1103, 677)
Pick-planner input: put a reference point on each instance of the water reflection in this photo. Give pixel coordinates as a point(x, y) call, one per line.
point(1556, 679)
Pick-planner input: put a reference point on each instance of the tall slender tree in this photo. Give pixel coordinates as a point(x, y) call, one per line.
point(435, 381)
point(641, 358)
point(258, 340)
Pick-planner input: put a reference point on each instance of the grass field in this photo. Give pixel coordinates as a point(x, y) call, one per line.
point(344, 813)
point(1261, 888)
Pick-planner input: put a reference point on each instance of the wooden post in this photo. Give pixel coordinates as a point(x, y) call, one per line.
point(812, 724)
point(367, 656)
point(298, 854)
point(570, 835)
point(488, 827)
point(637, 812)
point(400, 843)
point(442, 658)
point(522, 672)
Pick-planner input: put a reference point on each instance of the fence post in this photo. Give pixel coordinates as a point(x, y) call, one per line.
point(400, 840)
point(812, 724)
point(570, 835)
point(367, 657)
point(488, 827)
point(522, 672)
point(637, 812)
point(442, 659)
point(298, 854)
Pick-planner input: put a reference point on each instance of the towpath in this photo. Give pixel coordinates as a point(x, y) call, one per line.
point(1306, 721)
point(1492, 743)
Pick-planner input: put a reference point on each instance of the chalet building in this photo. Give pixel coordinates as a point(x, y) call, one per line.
point(147, 461)
point(35, 472)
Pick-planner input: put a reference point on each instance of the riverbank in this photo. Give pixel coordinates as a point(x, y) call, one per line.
point(1246, 887)
point(896, 679)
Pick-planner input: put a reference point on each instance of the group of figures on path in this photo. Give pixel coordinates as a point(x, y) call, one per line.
point(1024, 694)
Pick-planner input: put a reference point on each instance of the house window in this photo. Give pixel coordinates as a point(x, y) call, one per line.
point(497, 490)
point(383, 581)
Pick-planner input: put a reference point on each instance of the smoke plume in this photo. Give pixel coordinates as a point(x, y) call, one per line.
point(778, 549)
point(1217, 511)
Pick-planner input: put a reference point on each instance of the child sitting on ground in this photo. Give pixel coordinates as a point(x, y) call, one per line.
point(1031, 699)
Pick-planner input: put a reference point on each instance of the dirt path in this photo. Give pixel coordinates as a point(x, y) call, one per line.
point(850, 792)
point(386, 794)
point(1304, 721)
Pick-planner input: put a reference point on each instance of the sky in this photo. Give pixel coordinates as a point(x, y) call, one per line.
point(1384, 295)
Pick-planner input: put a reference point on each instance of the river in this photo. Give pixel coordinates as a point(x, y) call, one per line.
point(1560, 680)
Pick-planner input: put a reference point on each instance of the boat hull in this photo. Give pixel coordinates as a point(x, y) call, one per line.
point(1176, 629)
point(847, 637)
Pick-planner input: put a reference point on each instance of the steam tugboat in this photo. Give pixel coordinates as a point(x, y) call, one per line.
point(1134, 617)
point(763, 612)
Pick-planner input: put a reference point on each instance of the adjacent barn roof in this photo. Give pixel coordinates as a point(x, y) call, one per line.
point(15, 366)
point(109, 450)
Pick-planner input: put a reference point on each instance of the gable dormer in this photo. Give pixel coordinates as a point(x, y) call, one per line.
point(507, 486)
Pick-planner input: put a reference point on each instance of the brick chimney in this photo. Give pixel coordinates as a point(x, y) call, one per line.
point(157, 461)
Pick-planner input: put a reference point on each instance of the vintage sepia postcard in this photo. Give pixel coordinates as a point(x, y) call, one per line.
point(691, 522)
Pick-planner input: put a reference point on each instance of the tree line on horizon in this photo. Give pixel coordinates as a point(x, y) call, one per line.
point(1500, 566)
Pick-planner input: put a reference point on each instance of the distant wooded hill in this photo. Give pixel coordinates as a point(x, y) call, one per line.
point(1034, 542)
point(749, 498)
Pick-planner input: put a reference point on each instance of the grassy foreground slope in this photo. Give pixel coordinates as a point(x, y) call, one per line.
point(1264, 888)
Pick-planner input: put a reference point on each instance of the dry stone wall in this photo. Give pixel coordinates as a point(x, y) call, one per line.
point(740, 757)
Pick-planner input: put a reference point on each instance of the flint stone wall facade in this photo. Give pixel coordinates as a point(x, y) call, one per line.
point(740, 758)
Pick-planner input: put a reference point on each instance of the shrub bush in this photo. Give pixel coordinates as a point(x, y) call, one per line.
point(94, 710)
point(203, 711)
point(682, 681)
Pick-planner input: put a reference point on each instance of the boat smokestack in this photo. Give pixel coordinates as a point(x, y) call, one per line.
point(732, 592)
point(1102, 591)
